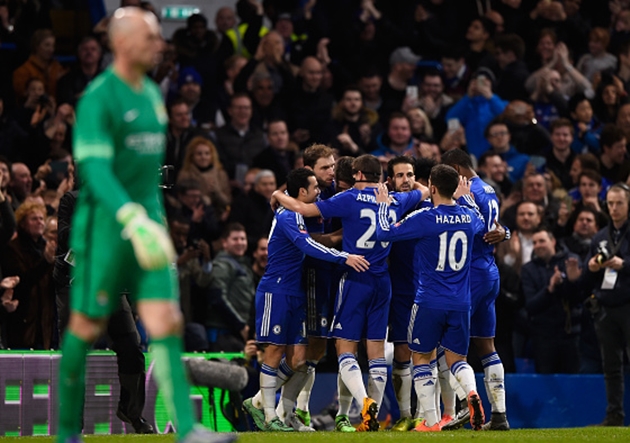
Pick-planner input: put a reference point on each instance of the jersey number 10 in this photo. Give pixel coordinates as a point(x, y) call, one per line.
point(450, 247)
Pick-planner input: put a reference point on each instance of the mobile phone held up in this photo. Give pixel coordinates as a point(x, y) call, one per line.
point(59, 169)
point(453, 125)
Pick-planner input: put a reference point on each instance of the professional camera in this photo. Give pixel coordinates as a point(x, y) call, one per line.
point(167, 176)
point(602, 255)
point(43, 99)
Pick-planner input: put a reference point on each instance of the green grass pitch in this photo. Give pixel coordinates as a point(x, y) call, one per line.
point(591, 434)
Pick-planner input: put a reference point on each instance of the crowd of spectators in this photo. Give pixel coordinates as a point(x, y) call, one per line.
point(534, 90)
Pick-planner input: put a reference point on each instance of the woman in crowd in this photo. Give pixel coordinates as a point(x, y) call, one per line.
point(30, 257)
point(201, 163)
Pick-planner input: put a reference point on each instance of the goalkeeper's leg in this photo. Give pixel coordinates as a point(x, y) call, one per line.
point(163, 321)
point(81, 332)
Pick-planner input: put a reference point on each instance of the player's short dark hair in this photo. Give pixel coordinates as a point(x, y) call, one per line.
point(423, 168)
point(401, 159)
point(298, 178)
point(610, 135)
point(445, 178)
point(315, 152)
point(457, 157)
point(343, 170)
point(232, 227)
point(370, 166)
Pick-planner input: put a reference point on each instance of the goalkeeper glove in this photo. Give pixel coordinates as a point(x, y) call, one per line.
point(151, 243)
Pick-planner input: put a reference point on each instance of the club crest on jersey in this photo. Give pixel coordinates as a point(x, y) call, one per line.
point(323, 322)
point(102, 298)
point(277, 329)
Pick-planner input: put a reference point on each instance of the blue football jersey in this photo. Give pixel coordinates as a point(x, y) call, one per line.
point(288, 243)
point(320, 225)
point(402, 270)
point(443, 253)
point(357, 210)
point(483, 253)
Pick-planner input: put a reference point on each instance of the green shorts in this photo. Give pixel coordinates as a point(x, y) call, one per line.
point(105, 266)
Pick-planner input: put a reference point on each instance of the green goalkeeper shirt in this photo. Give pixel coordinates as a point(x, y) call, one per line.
point(119, 144)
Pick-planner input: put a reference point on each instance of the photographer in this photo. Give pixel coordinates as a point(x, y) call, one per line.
point(609, 276)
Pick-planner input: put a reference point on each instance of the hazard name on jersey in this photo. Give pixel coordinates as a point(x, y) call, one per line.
point(452, 219)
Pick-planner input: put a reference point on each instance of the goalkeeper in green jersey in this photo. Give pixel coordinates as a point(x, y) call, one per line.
point(118, 233)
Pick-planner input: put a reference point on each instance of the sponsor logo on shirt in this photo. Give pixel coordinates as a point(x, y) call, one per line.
point(146, 143)
point(130, 115)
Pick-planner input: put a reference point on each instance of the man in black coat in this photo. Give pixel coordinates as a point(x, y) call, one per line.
point(553, 303)
point(277, 157)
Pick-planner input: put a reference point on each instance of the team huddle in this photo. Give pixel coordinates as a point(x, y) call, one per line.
point(437, 293)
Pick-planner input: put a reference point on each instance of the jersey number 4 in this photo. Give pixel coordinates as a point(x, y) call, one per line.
point(366, 241)
point(448, 248)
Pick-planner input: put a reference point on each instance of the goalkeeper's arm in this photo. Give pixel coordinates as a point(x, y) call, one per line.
point(151, 243)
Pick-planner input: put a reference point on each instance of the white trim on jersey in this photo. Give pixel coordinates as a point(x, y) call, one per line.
point(266, 319)
point(412, 321)
point(383, 216)
point(324, 249)
point(339, 298)
point(311, 297)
